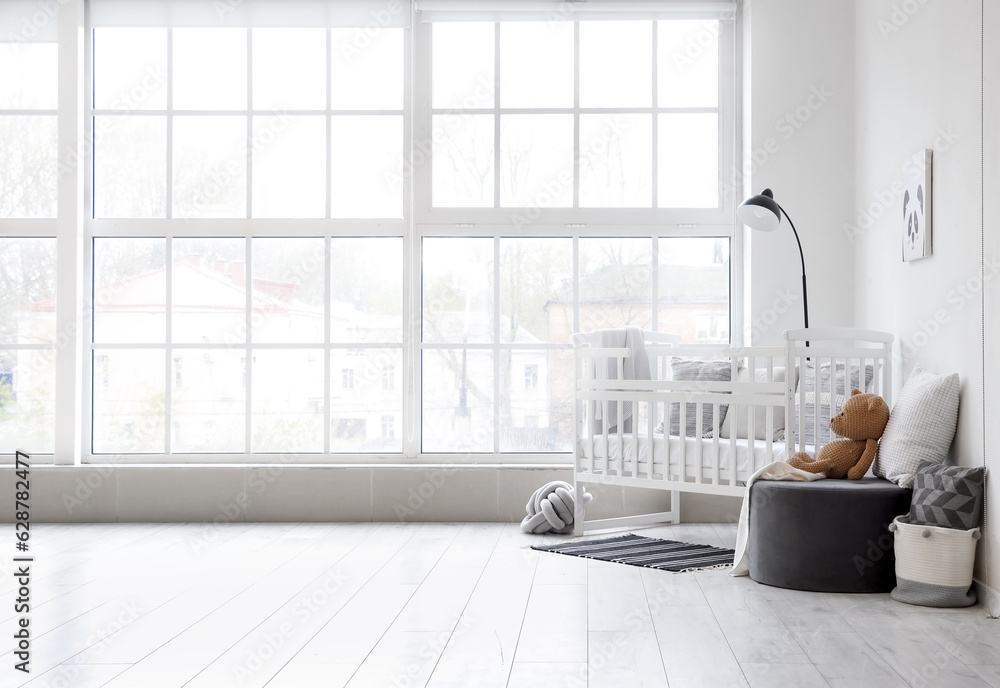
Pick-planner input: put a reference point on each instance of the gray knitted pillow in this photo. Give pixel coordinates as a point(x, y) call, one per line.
point(697, 371)
point(947, 496)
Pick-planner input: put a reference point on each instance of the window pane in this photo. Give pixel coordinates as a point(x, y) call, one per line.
point(289, 166)
point(462, 65)
point(694, 289)
point(536, 168)
point(27, 291)
point(367, 293)
point(129, 401)
point(289, 69)
point(210, 167)
point(130, 287)
point(366, 75)
point(367, 152)
point(533, 274)
point(457, 290)
point(616, 64)
point(28, 76)
point(366, 390)
point(687, 68)
point(209, 291)
point(463, 161)
point(615, 286)
point(287, 401)
point(536, 407)
point(457, 401)
point(210, 69)
point(208, 413)
point(689, 161)
point(130, 166)
point(536, 64)
point(27, 401)
point(616, 161)
point(130, 69)
point(288, 277)
point(28, 166)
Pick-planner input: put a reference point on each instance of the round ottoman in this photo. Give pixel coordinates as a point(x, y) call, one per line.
point(826, 535)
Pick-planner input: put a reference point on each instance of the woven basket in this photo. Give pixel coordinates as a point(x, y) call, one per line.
point(933, 565)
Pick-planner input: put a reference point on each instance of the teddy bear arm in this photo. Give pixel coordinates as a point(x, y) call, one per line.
point(865, 462)
point(804, 462)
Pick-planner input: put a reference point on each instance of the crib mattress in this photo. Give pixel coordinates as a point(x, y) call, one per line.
point(678, 447)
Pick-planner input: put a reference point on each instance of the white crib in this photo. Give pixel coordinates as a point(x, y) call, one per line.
point(758, 398)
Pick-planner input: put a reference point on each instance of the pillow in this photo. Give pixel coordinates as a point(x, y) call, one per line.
point(691, 370)
point(947, 496)
point(808, 381)
point(741, 416)
point(921, 426)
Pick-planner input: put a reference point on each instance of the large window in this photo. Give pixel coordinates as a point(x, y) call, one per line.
point(350, 231)
point(29, 171)
point(237, 123)
point(562, 114)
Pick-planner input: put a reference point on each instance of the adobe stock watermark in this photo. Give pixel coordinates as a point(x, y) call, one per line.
point(152, 79)
point(482, 95)
point(705, 42)
point(888, 201)
point(34, 23)
point(787, 126)
point(555, 188)
point(421, 494)
point(259, 478)
point(899, 17)
point(363, 36)
point(783, 301)
point(269, 640)
point(957, 298)
point(225, 174)
point(412, 675)
point(67, 675)
point(85, 487)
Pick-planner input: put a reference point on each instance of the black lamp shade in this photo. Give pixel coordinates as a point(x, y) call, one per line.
point(760, 212)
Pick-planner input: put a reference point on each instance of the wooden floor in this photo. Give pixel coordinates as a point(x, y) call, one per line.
point(409, 605)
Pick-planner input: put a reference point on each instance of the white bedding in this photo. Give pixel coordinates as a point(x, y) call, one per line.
point(677, 445)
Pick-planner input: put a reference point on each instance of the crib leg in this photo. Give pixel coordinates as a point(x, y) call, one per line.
point(578, 508)
point(675, 506)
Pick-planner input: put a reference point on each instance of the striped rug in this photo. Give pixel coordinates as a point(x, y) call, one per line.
point(653, 553)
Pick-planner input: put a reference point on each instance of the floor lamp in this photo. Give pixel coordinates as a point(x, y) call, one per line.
point(763, 212)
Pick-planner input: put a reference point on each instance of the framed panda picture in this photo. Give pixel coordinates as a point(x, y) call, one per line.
point(917, 206)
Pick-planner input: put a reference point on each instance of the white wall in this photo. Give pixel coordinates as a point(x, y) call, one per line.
point(918, 86)
point(798, 134)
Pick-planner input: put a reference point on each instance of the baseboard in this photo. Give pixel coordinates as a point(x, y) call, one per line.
point(988, 597)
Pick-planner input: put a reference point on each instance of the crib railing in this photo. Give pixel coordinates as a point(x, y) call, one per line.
point(836, 361)
point(752, 393)
point(795, 386)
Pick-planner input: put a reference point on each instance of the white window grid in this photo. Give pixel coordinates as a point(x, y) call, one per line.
point(421, 220)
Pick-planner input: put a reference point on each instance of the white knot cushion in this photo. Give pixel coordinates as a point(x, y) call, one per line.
point(551, 509)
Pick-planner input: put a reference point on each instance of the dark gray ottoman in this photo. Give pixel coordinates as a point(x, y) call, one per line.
point(826, 535)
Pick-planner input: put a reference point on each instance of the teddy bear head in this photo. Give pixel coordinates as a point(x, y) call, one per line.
point(862, 417)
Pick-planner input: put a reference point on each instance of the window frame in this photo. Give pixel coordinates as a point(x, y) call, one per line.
point(420, 220)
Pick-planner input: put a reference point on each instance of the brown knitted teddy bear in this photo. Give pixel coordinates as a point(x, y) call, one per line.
point(861, 420)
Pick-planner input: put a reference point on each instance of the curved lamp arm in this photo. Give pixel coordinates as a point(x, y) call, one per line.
point(805, 296)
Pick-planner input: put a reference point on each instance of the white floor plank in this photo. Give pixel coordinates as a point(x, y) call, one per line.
point(445, 605)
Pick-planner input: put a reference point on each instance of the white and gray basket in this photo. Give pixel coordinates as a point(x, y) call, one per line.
point(933, 565)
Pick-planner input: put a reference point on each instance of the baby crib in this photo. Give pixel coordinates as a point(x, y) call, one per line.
point(693, 428)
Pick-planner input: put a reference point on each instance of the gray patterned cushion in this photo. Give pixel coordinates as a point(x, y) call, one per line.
point(704, 371)
point(921, 426)
point(947, 496)
point(828, 386)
